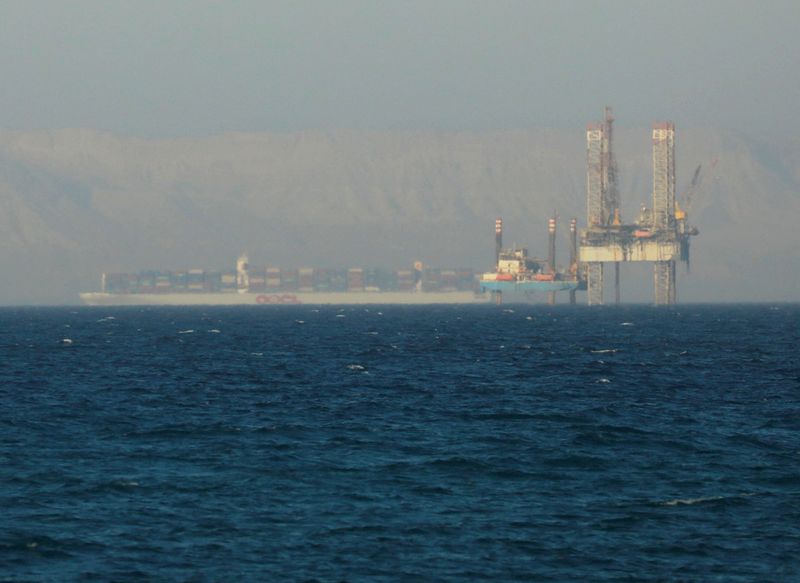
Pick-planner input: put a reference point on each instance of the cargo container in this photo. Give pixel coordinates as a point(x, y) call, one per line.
point(212, 281)
point(180, 280)
point(431, 279)
point(406, 279)
point(355, 279)
point(467, 279)
point(274, 285)
point(163, 282)
point(273, 282)
point(386, 280)
point(228, 282)
point(322, 280)
point(257, 279)
point(289, 280)
point(305, 279)
point(339, 280)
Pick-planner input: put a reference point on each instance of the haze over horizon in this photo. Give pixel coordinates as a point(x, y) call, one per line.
point(189, 68)
point(415, 121)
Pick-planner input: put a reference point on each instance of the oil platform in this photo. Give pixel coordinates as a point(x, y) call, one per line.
point(660, 234)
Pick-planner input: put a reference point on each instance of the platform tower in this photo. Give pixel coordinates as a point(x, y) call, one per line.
point(595, 214)
point(551, 254)
point(498, 240)
point(602, 197)
point(611, 187)
point(664, 206)
point(573, 254)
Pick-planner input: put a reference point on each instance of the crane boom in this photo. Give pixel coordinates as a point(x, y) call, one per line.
point(687, 199)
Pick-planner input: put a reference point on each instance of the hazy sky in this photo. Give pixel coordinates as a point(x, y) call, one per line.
point(169, 67)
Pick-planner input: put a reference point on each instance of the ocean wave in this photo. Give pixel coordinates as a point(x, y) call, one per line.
point(703, 499)
point(233, 455)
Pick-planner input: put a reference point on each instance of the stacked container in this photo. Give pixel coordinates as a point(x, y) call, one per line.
point(305, 279)
point(195, 280)
point(289, 280)
point(120, 283)
point(258, 280)
point(322, 280)
point(163, 282)
point(405, 280)
point(371, 279)
point(355, 279)
point(449, 280)
point(339, 280)
point(273, 279)
point(147, 282)
point(431, 279)
point(387, 280)
point(180, 281)
point(466, 279)
point(212, 281)
point(228, 282)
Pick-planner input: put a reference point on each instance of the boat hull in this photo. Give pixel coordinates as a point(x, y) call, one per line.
point(528, 286)
point(277, 299)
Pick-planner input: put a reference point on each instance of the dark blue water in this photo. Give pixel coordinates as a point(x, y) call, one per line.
point(400, 443)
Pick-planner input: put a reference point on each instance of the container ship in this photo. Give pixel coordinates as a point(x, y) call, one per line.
point(281, 286)
point(515, 274)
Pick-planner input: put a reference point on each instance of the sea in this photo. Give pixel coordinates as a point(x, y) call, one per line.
point(391, 443)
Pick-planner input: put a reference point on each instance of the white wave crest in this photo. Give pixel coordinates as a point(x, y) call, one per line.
point(701, 499)
point(690, 501)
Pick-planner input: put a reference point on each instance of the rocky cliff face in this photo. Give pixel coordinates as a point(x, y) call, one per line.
point(74, 203)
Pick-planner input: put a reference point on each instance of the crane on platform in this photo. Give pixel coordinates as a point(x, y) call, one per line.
point(682, 210)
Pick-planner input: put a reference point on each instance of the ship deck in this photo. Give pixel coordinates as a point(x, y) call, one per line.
point(282, 298)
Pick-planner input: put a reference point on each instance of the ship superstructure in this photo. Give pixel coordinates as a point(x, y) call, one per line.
point(517, 273)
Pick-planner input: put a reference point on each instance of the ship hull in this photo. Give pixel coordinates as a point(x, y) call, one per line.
point(528, 286)
point(276, 299)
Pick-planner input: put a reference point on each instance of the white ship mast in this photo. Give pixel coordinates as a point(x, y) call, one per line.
point(242, 274)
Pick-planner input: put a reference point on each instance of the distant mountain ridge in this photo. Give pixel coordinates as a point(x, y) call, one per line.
point(74, 203)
